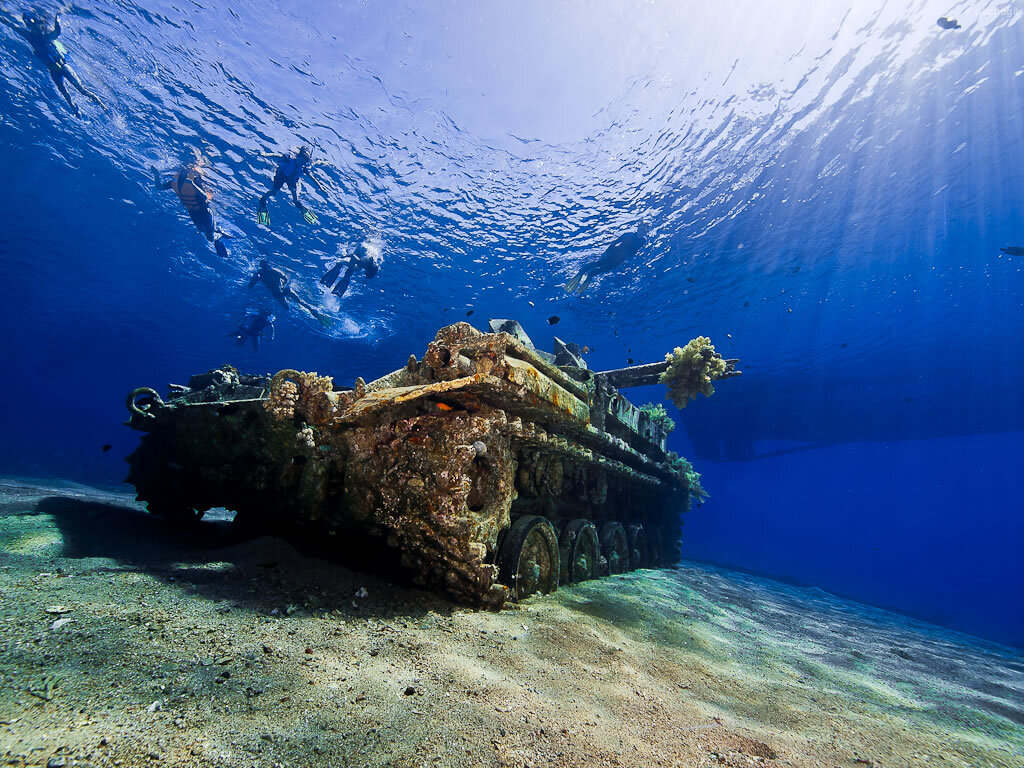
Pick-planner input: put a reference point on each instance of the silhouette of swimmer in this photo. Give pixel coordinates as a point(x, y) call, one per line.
point(1013, 250)
point(279, 284)
point(627, 246)
point(252, 327)
point(291, 167)
point(947, 23)
point(366, 257)
point(190, 187)
point(52, 53)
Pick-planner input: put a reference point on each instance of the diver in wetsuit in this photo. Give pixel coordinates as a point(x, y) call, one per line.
point(253, 326)
point(52, 53)
point(277, 282)
point(366, 257)
point(188, 184)
point(625, 247)
point(291, 167)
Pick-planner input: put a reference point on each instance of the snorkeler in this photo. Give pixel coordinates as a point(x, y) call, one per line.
point(277, 282)
point(52, 53)
point(291, 167)
point(625, 247)
point(189, 186)
point(366, 257)
point(253, 326)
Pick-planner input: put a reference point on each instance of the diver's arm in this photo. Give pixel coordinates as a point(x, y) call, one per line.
point(56, 28)
point(272, 332)
point(316, 182)
point(271, 155)
point(198, 183)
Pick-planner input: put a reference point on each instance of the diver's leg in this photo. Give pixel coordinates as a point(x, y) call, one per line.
point(202, 217)
point(274, 189)
point(265, 197)
point(342, 286)
point(72, 77)
point(58, 80)
point(296, 188)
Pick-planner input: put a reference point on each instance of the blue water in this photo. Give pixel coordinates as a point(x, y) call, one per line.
point(827, 185)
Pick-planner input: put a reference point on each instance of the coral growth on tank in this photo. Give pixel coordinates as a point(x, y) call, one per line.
point(691, 370)
point(656, 412)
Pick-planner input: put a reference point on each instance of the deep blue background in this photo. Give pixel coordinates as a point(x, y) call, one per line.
point(827, 189)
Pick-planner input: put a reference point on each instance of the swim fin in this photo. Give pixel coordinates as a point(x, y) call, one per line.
point(574, 283)
point(310, 217)
point(222, 250)
point(263, 217)
point(332, 274)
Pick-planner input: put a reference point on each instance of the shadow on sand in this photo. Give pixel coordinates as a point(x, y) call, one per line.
point(239, 568)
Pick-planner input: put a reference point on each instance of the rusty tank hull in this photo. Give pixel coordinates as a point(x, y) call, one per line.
point(492, 470)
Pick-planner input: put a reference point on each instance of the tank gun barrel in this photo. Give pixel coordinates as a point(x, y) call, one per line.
point(633, 375)
point(650, 373)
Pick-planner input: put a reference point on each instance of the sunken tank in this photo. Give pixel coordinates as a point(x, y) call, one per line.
point(488, 469)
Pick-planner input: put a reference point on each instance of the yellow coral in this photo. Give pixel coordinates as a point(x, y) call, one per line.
point(283, 400)
point(692, 369)
point(292, 391)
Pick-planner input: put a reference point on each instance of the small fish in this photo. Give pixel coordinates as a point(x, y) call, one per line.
point(844, 345)
point(553, 319)
point(445, 309)
point(629, 361)
point(106, 447)
point(585, 350)
point(531, 304)
point(947, 23)
point(444, 407)
point(728, 335)
point(789, 310)
point(615, 331)
point(794, 270)
point(691, 279)
point(746, 303)
point(470, 312)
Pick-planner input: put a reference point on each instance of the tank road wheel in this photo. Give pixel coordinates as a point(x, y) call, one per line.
point(528, 559)
point(579, 541)
point(639, 553)
point(654, 549)
point(615, 547)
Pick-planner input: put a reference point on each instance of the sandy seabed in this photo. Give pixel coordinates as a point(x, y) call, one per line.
point(123, 642)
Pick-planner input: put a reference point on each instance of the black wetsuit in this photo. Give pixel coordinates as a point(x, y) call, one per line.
point(252, 327)
point(277, 282)
point(625, 247)
point(363, 259)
